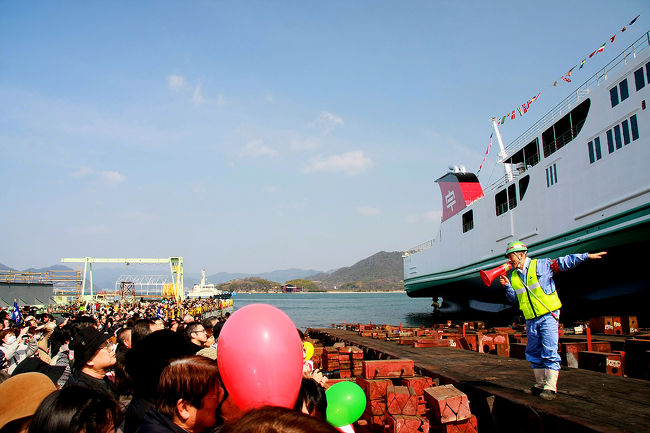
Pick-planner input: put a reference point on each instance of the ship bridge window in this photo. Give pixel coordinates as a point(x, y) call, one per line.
point(523, 186)
point(630, 133)
point(565, 129)
point(512, 196)
point(468, 221)
point(639, 79)
point(527, 157)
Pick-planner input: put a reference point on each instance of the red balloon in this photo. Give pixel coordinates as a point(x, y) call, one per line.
point(260, 357)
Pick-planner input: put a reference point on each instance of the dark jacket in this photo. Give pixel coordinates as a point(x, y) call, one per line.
point(156, 422)
point(100, 385)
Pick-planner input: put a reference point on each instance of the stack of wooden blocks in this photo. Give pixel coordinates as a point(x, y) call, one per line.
point(398, 401)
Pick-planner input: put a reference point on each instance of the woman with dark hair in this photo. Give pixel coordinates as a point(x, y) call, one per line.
point(270, 419)
point(311, 399)
point(76, 409)
point(189, 396)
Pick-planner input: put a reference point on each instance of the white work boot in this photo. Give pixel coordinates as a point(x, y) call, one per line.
point(540, 381)
point(550, 384)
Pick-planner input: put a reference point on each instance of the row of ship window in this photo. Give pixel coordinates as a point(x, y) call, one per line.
point(620, 92)
point(617, 137)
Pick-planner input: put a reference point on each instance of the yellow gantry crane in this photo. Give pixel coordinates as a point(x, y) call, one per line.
point(175, 265)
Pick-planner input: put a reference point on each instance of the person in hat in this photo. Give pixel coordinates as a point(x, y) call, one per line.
point(531, 284)
point(94, 357)
point(20, 397)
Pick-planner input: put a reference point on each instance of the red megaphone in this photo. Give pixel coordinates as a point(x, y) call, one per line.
point(492, 274)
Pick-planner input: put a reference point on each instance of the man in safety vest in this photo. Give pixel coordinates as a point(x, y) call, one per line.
point(531, 283)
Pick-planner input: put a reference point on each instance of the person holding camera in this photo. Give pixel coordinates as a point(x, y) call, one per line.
point(17, 345)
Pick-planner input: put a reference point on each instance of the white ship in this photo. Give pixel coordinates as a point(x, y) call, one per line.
point(577, 181)
point(207, 290)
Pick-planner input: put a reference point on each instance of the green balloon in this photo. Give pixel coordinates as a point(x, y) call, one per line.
point(345, 403)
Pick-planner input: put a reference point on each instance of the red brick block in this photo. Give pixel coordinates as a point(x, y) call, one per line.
point(376, 407)
point(466, 426)
point(418, 383)
point(374, 388)
point(401, 400)
point(447, 404)
point(407, 424)
point(390, 368)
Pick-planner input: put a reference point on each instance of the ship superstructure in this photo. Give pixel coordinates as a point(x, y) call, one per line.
point(578, 180)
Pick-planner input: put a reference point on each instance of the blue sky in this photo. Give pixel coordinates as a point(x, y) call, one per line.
point(252, 136)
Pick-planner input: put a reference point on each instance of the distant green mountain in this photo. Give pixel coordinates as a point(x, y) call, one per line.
point(381, 271)
point(251, 284)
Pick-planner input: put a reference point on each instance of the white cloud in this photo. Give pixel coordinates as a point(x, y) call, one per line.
point(175, 82)
point(351, 163)
point(368, 210)
point(197, 98)
point(83, 172)
point(109, 177)
point(327, 121)
point(257, 148)
point(433, 215)
point(112, 177)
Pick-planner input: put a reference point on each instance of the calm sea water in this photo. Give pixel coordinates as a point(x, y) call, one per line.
point(320, 310)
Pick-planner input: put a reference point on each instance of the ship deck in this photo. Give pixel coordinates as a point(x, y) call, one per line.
point(587, 401)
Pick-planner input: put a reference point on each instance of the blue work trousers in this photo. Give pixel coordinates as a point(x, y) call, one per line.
point(541, 349)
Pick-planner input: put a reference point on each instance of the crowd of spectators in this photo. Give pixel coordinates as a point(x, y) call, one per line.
point(146, 367)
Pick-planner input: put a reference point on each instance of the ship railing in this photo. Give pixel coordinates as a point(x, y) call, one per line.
point(423, 246)
point(579, 94)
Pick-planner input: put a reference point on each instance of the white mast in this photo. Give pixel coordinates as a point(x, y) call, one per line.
point(502, 150)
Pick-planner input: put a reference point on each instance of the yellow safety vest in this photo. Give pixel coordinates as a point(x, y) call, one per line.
point(529, 304)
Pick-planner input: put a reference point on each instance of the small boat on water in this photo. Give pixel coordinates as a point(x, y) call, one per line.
point(207, 290)
point(577, 181)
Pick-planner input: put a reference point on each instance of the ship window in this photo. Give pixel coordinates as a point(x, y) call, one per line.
point(523, 186)
point(592, 154)
point(512, 196)
point(565, 129)
point(613, 96)
point(635, 128)
point(624, 91)
point(501, 202)
point(639, 79)
point(626, 132)
point(526, 157)
point(551, 175)
point(647, 72)
point(610, 141)
point(617, 136)
point(468, 221)
point(597, 148)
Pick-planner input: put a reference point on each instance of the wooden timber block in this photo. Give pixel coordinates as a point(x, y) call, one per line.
point(375, 420)
point(418, 383)
point(401, 400)
point(331, 382)
point(637, 353)
point(345, 374)
point(518, 350)
point(569, 352)
point(389, 368)
point(447, 404)
point(407, 424)
point(469, 425)
point(603, 324)
point(376, 407)
point(433, 342)
point(373, 388)
point(337, 345)
point(601, 346)
point(630, 324)
point(609, 363)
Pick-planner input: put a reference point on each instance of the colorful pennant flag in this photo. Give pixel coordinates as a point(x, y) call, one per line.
point(635, 18)
point(582, 63)
point(612, 38)
point(602, 47)
point(486, 153)
point(568, 74)
point(503, 120)
point(568, 80)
